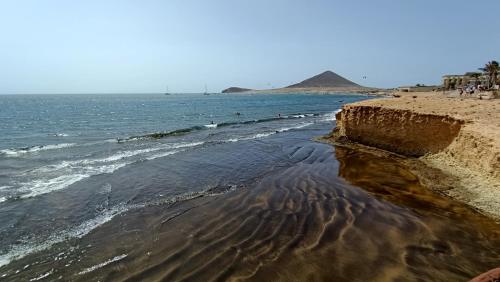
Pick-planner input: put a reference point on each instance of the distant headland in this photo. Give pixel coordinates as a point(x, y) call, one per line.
point(325, 82)
point(235, 90)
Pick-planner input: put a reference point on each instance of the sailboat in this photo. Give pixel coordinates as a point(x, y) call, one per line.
point(167, 93)
point(206, 93)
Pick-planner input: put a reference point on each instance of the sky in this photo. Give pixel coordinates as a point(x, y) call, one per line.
point(125, 46)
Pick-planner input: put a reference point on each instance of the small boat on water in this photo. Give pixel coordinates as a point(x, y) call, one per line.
point(167, 93)
point(206, 93)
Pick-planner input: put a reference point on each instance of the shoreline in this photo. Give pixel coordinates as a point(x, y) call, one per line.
point(457, 136)
point(320, 90)
point(308, 218)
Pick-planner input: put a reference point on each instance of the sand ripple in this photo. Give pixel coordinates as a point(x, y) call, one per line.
point(362, 218)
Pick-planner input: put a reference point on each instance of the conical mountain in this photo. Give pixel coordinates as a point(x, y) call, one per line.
point(325, 79)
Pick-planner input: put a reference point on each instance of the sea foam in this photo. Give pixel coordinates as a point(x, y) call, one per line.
point(97, 266)
point(33, 149)
point(58, 176)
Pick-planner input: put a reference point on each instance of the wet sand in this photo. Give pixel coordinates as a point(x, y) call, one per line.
point(327, 214)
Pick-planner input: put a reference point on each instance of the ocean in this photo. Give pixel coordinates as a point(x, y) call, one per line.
point(213, 187)
point(54, 146)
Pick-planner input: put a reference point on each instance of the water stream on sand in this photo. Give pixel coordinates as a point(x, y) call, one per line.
point(281, 208)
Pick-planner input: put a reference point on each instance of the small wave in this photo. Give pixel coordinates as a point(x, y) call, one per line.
point(45, 275)
point(5, 187)
point(102, 264)
point(59, 135)
point(70, 172)
point(33, 149)
point(261, 135)
point(161, 155)
point(19, 251)
point(183, 131)
point(294, 127)
point(43, 186)
point(331, 116)
point(266, 134)
point(182, 147)
point(22, 250)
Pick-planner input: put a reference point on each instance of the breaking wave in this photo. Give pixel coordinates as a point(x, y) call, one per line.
point(33, 149)
point(61, 175)
point(184, 131)
point(27, 247)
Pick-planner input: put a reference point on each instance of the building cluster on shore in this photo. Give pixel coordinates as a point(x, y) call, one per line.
point(487, 79)
point(455, 81)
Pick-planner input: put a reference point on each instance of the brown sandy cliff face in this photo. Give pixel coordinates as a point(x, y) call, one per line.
point(400, 131)
point(461, 148)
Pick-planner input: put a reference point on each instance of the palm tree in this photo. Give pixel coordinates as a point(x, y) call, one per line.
point(491, 69)
point(475, 76)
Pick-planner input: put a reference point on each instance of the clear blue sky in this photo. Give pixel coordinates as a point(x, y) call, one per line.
point(119, 46)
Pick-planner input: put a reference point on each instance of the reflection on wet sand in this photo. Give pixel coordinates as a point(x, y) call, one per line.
point(328, 216)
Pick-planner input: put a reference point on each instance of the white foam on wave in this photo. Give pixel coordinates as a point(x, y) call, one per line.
point(21, 250)
point(59, 176)
point(102, 264)
point(47, 185)
point(60, 135)
point(266, 134)
point(176, 150)
point(17, 152)
point(294, 127)
point(211, 125)
point(164, 154)
point(45, 275)
point(261, 135)
point(331, 116)
point(21, 151)
point(5, 187)
point(3, 198)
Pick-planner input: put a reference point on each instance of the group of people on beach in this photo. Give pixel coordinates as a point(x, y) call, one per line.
point(471, 89)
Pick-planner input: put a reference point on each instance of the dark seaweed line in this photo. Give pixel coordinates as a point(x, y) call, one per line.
point(184, 131)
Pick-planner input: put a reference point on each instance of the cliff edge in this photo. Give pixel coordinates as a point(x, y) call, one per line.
point(459, 136)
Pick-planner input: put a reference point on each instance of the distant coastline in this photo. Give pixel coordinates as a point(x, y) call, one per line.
point(327, 82)
point(325, 90)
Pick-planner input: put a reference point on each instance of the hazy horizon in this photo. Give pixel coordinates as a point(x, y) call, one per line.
point(56, 47)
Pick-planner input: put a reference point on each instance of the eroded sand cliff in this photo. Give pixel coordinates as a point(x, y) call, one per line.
point(459, 136)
